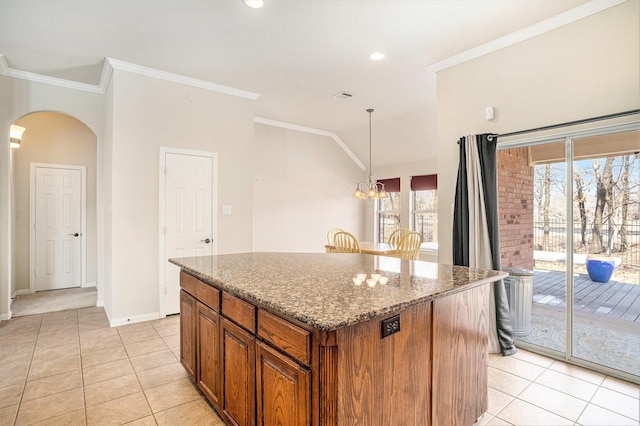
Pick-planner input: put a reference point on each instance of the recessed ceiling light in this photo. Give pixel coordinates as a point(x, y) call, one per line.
point(255, 4)
point(377, 56)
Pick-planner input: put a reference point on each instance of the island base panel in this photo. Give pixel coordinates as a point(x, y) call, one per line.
point(460, 364)
point(384, 381)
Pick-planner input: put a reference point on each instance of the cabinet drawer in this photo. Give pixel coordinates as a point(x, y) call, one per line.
point(290, 338)
point(238, 310)
point(188, 283)
point(208, 295)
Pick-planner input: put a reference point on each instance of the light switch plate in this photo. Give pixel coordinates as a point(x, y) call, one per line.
point(226, 209)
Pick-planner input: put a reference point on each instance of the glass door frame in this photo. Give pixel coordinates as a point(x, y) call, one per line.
point(568, 138)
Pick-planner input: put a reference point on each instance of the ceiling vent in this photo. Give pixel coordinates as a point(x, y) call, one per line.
point(342, 96)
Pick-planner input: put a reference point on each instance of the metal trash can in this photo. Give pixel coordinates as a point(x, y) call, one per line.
point(519, 286)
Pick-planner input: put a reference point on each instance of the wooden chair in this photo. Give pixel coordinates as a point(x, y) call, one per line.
point(344, 242)
point(331, 233)
point(409, 246)
point(395, 236)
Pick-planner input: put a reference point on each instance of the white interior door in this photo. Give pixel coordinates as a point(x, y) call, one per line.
point(58, 228)
point(189, 216)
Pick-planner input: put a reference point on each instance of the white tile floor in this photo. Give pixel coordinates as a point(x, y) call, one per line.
point(531, 389)
point(70, 367)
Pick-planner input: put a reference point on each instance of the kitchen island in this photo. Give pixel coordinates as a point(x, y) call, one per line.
point(293, 339)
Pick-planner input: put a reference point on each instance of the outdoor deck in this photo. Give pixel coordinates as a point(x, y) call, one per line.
point(613, 299)
point(606, 330)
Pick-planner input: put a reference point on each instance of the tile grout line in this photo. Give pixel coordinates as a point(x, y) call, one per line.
point(137, 378)
point(516, 397)
point(548, 368)
point(84, 397)
point(33, 351)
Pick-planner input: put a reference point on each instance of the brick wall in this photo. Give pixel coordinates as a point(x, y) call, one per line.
point(515, 207)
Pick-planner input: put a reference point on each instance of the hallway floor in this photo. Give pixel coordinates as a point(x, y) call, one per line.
point(71, 368)
point(53, 300)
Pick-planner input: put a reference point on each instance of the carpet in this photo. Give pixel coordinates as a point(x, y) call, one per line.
point(53, 300)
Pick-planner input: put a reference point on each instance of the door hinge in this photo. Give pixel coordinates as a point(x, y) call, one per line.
point(165, 289)
point(165, 170)
point(165, 230)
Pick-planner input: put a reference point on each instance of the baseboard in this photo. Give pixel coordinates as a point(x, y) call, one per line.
point(134, 319)
point(5, 316)
point(20, 292)
point(88, 285)
point(99, 303)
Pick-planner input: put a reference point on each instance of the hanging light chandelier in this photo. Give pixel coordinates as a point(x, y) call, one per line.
point(370, 190)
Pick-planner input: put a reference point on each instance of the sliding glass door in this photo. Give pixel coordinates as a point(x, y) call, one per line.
point(606, 220)
point(570, 217)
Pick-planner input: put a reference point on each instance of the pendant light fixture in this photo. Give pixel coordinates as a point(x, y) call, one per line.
point(370, 190)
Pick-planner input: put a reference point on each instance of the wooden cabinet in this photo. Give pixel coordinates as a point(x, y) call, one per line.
point(200, 336)
point(188, 333)
point(283, 389)
point(226, 360)
point(238, 371)
point(260, 368)
point(209, 367)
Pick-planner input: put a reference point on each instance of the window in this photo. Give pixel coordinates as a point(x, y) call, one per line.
point(424, 209)
point(388, 209)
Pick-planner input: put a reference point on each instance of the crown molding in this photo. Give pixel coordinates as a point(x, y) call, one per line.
point(105, 77)
point(177, 78)
point(107, 71)
point(3, 65)
point(45, 79)
point(575, 14)
point(311, 130)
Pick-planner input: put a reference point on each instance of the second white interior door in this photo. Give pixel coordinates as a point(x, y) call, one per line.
point(58, 228)
point(189, 216)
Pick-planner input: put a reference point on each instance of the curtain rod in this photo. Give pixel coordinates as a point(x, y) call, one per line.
point(569, 123)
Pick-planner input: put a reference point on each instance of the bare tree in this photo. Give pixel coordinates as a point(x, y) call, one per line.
point(581, 198)
point(545, 206)
point(625, 202)
point(604, 197)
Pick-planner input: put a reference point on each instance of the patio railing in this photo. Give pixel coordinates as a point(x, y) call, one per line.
point(556, 240)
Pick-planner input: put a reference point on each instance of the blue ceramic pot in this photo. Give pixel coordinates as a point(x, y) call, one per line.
point(600, 268)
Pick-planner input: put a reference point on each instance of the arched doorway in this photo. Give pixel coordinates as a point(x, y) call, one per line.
point(62, 145)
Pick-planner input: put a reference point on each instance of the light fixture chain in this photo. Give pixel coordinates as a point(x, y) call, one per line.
point(370, 190)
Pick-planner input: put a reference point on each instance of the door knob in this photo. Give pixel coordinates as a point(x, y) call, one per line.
point(75, 235)
point(206, 241)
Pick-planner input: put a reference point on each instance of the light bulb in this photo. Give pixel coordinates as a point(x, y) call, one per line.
point(254, 4)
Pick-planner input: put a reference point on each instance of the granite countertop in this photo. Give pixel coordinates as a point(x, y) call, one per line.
point(318, 290)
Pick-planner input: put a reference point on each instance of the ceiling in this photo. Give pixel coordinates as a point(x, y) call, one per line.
point(294, 53)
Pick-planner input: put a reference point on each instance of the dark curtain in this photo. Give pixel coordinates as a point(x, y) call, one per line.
point(488, 165)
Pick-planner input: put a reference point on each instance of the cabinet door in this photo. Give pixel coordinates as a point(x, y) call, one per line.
point(238, 357)
point(188, 333)
point(209, 371)
point(283, 389)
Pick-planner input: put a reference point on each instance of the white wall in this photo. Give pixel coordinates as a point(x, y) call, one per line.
point(585, 69)
point(148, 113)
point(303, 185)
point(395, 140)
point(19, 98)
point(105, 189)
point(56, 139)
